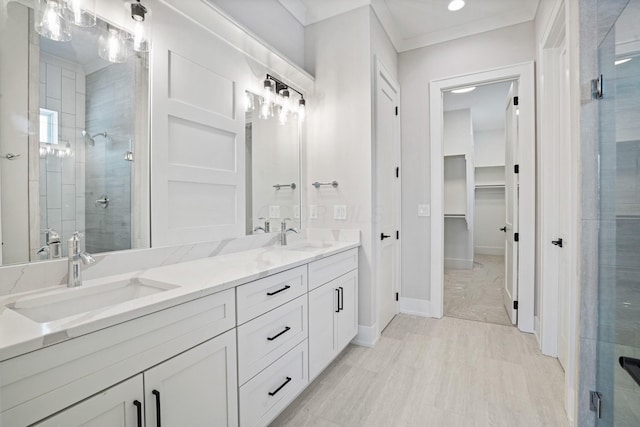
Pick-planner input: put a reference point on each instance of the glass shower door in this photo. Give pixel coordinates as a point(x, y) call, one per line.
point(618, 348)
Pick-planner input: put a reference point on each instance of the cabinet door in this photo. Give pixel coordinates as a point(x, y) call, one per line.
point(348, 315)
point(114, 407)
point(196, 388)
point(323, 306)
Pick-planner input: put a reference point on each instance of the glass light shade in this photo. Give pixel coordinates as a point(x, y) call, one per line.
point(141, 16)
point(51, 22)
point(268, 92)
point(266, 109)
point(286, 100)
point(283, 116)
point(302, 110)
point(81, 12)
point(248, 102)
point(112, 46)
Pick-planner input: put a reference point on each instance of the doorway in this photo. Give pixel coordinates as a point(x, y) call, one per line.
point(479, 140)
point(524, 157)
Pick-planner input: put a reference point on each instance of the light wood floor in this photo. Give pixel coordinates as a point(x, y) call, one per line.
point(477, 294)
point(441, 373)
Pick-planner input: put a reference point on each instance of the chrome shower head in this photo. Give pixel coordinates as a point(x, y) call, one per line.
point(90, 139)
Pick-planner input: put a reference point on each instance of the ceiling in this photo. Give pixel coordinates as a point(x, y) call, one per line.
point(412, 24)
point(487, 104)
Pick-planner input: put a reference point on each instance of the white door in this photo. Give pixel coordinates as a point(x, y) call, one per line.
point(510, 294)
point(119, 406)
point(197, 126)
point(387, 212)
point(348, 308)
point(563, 209)
point(196, 388)
point(323, 307)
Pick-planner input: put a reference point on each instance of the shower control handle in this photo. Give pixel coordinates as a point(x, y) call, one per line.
point(103, 201)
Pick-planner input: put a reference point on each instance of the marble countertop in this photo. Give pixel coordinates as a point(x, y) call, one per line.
point(192, 280)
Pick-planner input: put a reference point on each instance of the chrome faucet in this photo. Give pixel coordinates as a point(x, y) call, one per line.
point(53, 247)
point(266, 227)
point(284, 230)
point(76, 259)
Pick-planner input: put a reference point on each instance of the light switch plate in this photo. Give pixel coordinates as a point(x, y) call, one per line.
point(340, 212)
point(274, 211)
point(313, 211)
point(424, 210)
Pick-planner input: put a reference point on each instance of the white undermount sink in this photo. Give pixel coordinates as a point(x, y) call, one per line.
point(307, 246)
point(61, 303)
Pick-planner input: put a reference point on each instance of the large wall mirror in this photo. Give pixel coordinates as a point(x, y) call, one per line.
point(74, 140)
point(272, 168)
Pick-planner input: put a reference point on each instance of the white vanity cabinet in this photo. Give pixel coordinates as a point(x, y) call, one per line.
point(333, 307)
point(195, 388)
point(118, 406)
point(272, 347)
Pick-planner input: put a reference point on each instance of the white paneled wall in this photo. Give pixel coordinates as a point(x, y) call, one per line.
point(198, 122)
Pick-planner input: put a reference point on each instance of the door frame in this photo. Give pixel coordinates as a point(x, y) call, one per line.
point(525, 75)
point(560, 24)
point(381, 70)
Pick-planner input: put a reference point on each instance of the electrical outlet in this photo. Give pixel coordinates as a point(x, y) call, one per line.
point(313, 211)
point(340, 212)
point(424, 210)
point(274, 211)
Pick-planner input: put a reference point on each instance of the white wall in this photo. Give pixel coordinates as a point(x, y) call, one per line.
point(489, 147)
point(341, 52)
point(506, 46)
point(339, 133)
point(270, 21)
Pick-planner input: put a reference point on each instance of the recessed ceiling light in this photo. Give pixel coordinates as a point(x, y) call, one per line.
point(464, 89)
point(455, 5)
point(622, 61)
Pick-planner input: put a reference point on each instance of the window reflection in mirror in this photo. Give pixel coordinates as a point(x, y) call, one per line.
point(272, 169)
point(88, 144)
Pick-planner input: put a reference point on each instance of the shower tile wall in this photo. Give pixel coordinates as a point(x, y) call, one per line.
point(62, 182)
point(109, 109)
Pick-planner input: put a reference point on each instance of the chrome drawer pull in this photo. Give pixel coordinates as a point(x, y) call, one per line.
point(270, 294)
point(273, 393)
point(286, 329)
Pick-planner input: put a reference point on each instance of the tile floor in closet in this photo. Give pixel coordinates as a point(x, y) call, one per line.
point(477, 294)
point(436, 372)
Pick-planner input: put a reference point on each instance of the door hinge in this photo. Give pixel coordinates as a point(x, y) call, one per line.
point(516, 100)
point(397, 234)
point(516, 168)
point(398, 172)
point(595, 403)
point(397, 296)
point(396, 111)
point(515, 305)
point(597, 88)
point(516, 237)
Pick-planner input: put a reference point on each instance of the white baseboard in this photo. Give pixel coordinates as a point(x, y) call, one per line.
point(536, 330)
point(489, 250)
point(416, 307)
point(458, 264)
point(367, 336)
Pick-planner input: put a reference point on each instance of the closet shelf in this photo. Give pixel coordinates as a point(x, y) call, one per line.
point(492, 185)
point(489, 166)
point(452, 215)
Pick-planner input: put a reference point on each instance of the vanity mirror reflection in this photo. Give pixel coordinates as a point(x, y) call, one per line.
point(272, 160)
point(74, 137)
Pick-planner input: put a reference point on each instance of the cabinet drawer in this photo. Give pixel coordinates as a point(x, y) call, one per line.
point(262, 295)
point(327, 269)
point(266, 338)
point(267, 394)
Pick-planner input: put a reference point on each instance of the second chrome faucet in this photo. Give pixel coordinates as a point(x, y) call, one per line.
point(76, 259)
point(284, 230)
